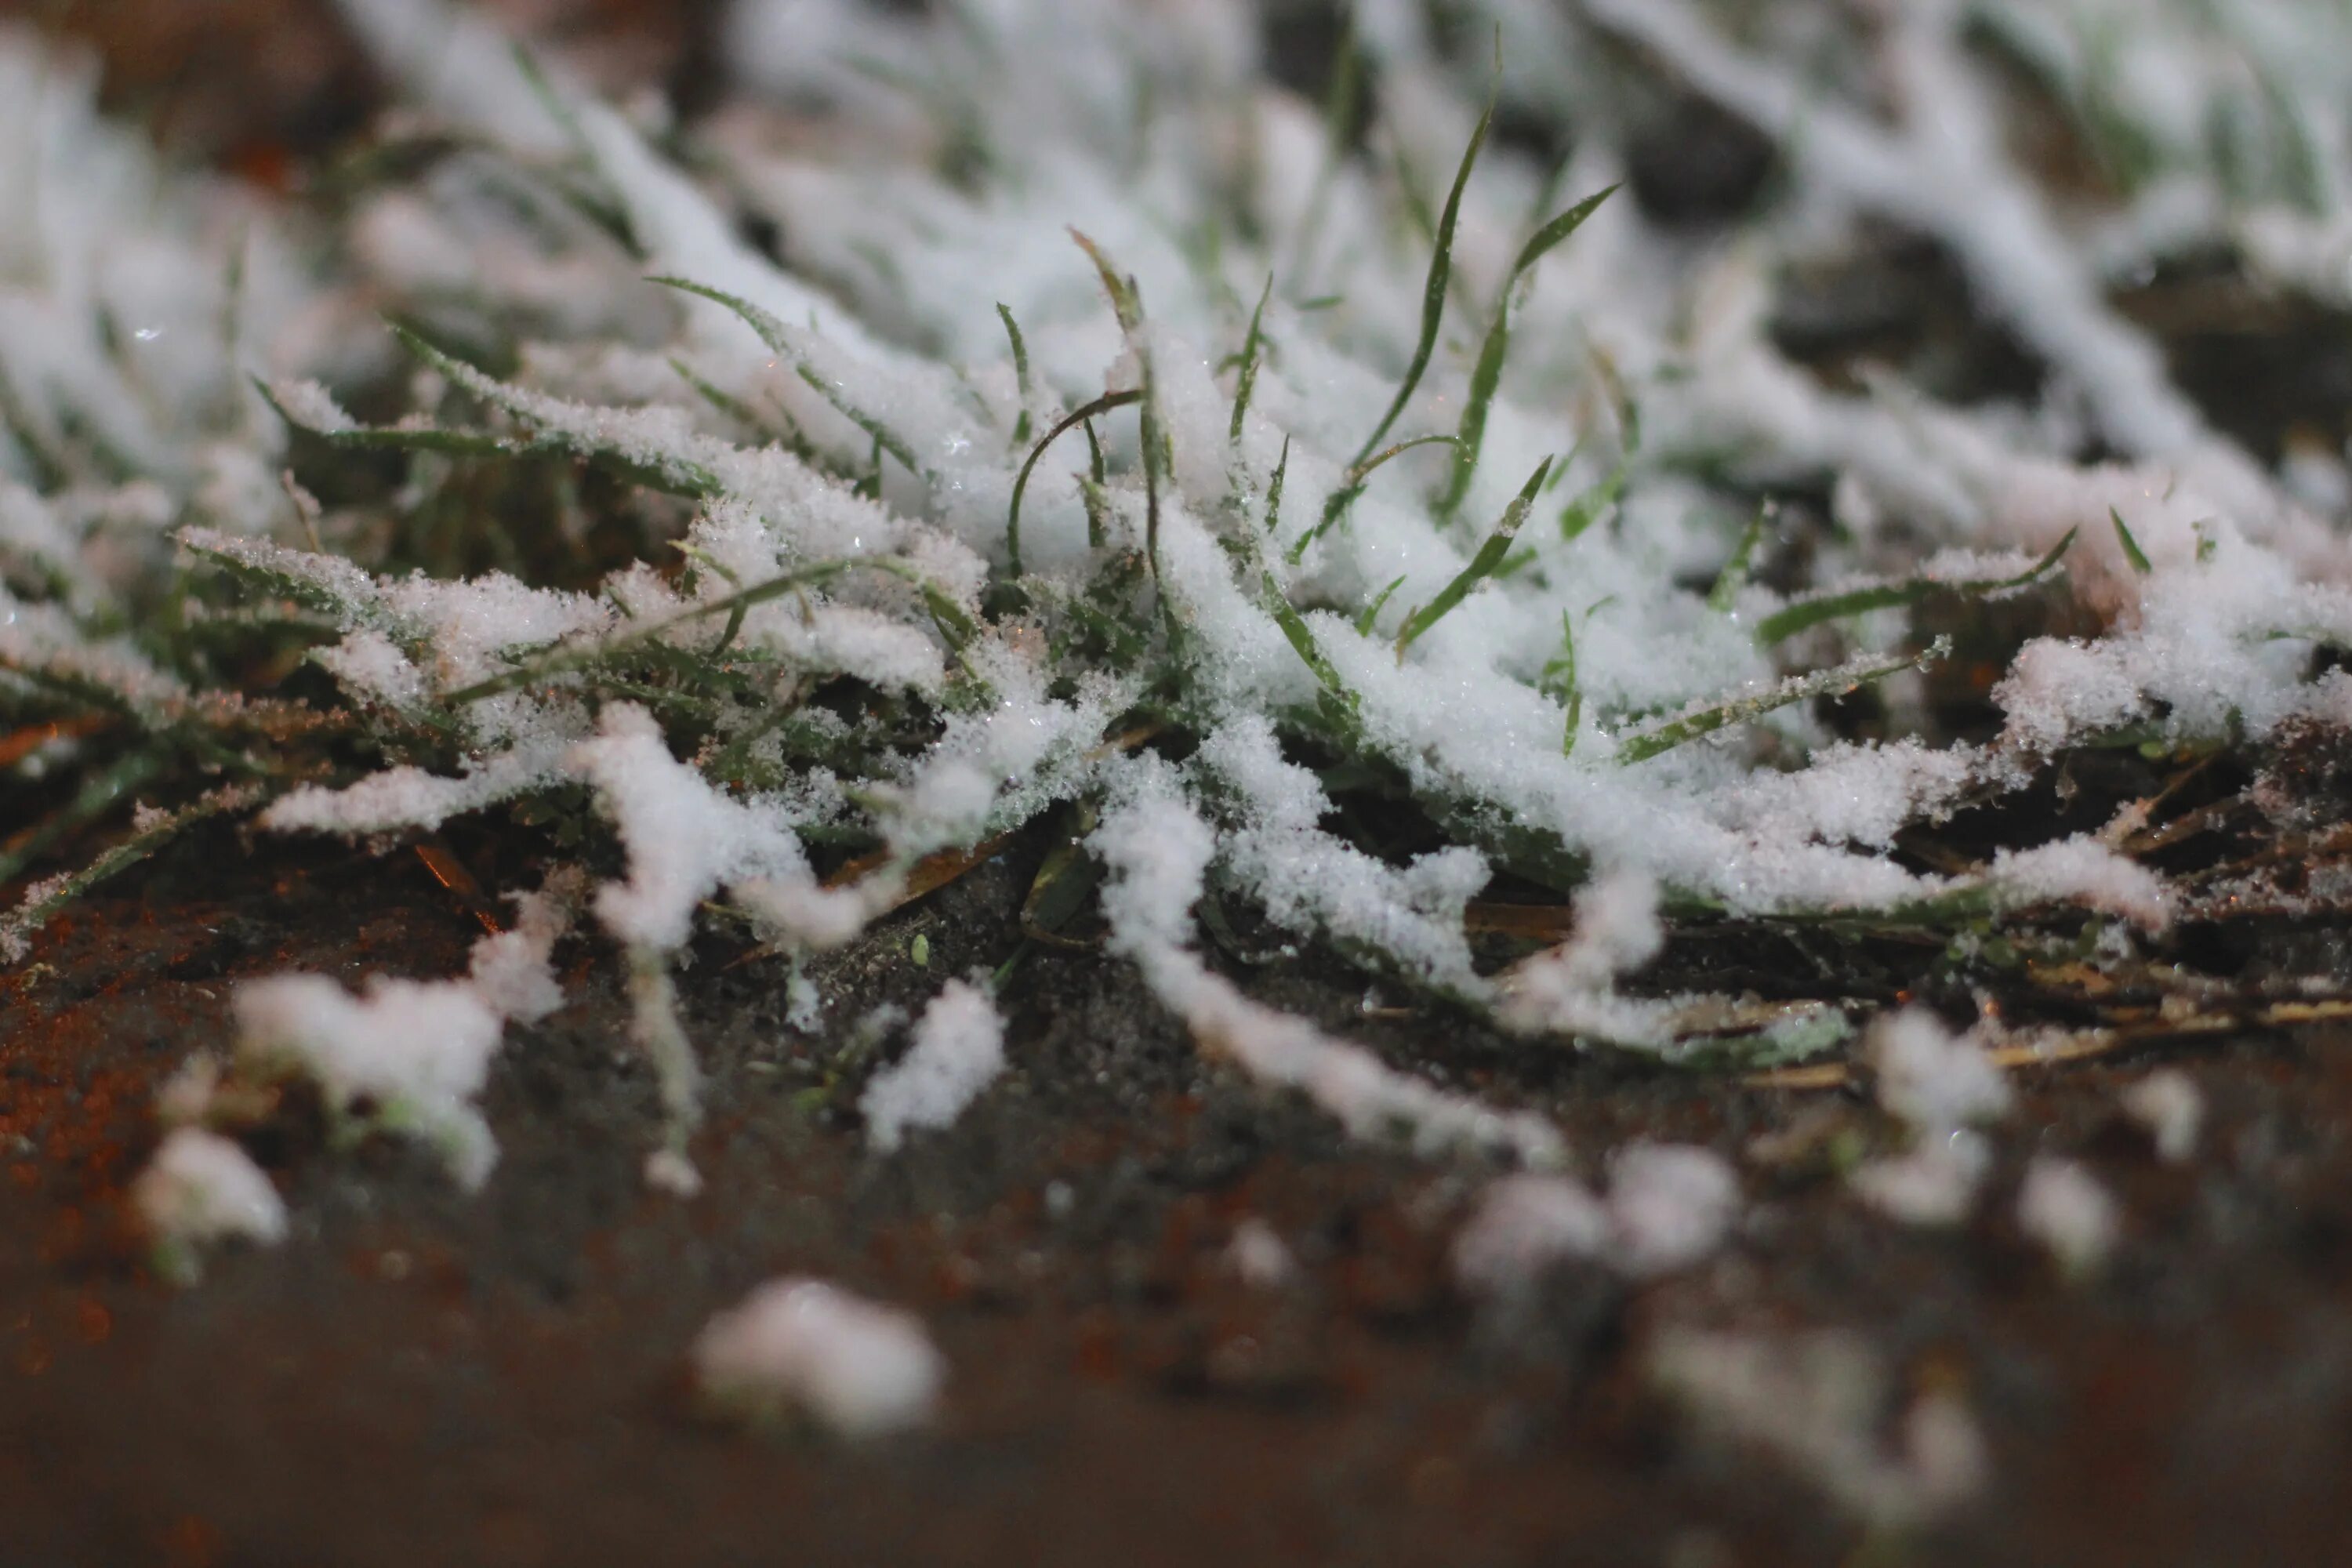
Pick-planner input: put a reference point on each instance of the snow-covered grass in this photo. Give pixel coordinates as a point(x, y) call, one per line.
point(1355, 530)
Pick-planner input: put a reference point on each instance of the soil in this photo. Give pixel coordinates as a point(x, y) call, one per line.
point(418, 1375)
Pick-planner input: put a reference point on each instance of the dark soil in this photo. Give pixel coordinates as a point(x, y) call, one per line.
point(419, 1376)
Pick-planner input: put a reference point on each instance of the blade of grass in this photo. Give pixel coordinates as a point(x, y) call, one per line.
point(1019, 372)
point(1352, 485)
point(1487, 375)
point(1645, 743)
point(1433, 295)
point(1248, 382)
point(1482, 565)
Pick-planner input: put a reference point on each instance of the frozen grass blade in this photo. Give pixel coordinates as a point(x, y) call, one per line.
point(1641, 745)
point(1246, 381)
point(1734, 576)
point(1019, 372)
point(773, 333)
point(2132, 551)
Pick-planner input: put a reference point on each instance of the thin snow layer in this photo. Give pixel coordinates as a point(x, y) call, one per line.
point(842, 458)
point(1817, 1402)
point(958, 1050)
point(794, 1345)
point(2062, 1206)
point(201, 1188)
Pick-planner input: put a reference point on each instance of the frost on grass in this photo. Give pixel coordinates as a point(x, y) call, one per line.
point(1432, 581)
point(806, 1348)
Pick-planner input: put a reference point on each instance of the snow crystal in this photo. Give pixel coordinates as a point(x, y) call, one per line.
point(959, 1049)
point(1258, 1255)
point(861, 1369)
point(1670, 1205)
point(684, 838)
point(407, 1051)
point(1523, 1224)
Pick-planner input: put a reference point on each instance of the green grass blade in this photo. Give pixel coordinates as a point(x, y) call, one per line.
point(1432, 294)
point(772, 332)
point(1734, 576)
point(2132, 551)
point(1019, 372)
point(1641, 745)
point(1248, 382)
point(1103, 405)
point(1352, 485)
point(1489, 373)
point(1804, 613)
point(1482, 565)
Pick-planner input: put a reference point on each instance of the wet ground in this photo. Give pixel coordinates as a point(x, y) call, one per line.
point(421, 1376)
point(418, 1376)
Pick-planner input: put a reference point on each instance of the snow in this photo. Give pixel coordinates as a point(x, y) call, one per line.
point(1932, 1079)
point(201, 1188)
point(1815, 1402)
point(860, 1368)
point(2062, 1206)
point(2169, 1103)
point(1934, 1184)
point(959, 1049)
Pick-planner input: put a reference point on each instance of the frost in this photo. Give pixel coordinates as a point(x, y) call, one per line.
point(959, 1049)
point(860, 1368)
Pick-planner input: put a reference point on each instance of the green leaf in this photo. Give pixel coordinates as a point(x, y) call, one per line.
point(1019, 372)
point(1103, 405)
point(1734, 576)
point(773, 333)
point(1352, 485)
point(1248, 382)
